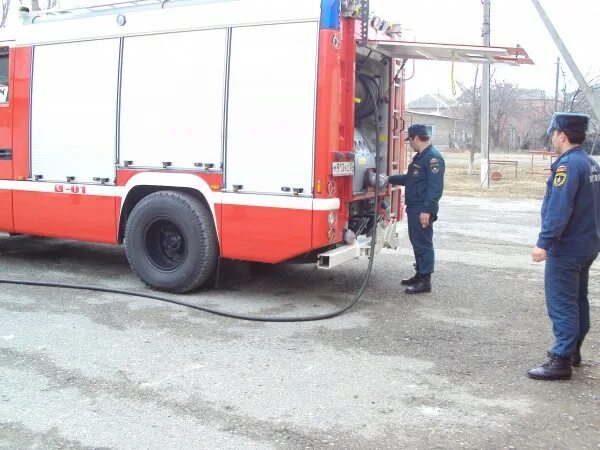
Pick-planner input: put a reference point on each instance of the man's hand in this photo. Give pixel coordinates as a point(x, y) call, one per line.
point(384, 182)
point(372, 180)
point(424, 218)
point(538, 254)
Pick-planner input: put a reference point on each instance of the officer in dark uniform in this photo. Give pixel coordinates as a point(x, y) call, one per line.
point(424, 183)
point(569, 242)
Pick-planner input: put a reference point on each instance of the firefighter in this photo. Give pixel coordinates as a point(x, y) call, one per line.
point(569, 242)
point(424, 183)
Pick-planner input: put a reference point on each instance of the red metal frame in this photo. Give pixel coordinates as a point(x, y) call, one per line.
point(396, 147)
point(327, 143)
point(396, 133)
point(21, 114)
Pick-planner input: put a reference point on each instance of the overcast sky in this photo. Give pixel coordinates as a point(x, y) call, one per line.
point(512, 22)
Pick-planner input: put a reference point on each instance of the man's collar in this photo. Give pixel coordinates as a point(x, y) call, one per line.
point(568, 152)
point(425, 149)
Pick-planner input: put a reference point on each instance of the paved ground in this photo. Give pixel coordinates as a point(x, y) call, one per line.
point(445, 370)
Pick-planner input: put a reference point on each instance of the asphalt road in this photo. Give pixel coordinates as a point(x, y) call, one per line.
point(440, 370)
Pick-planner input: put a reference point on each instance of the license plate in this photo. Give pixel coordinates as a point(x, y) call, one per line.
point(339, 169)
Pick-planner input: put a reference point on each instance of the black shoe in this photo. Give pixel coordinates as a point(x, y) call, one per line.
point(411, 281)
point(557, 368)
point(423, 284)
point(576, 356)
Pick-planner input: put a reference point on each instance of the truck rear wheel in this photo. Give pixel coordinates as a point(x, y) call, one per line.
point(171, 242)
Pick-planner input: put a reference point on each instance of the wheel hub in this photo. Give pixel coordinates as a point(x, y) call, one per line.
point(165, 244)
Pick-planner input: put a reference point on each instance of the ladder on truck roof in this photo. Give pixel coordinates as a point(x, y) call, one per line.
point(112, 8)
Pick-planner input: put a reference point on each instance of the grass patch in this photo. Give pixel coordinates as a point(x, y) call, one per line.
point(460, 182)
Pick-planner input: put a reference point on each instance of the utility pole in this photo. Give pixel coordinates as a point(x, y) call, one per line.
point(590, 96)
point(485, 101)
point(556, 88)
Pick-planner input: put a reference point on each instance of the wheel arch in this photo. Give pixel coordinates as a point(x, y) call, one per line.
point(144, 184)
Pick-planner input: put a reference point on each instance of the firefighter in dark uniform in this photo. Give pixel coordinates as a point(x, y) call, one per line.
point(424, 183)
point(569, 242)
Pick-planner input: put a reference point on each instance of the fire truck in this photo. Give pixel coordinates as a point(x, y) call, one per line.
point(193, 131)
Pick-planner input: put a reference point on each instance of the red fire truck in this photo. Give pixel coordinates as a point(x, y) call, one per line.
point(193, 130)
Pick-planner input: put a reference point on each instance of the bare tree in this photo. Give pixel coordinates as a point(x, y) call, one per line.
point(518, 117)
point(575, 102)
point(35, 6)
point(468, 113)
point(5, 10)
point(504, 107)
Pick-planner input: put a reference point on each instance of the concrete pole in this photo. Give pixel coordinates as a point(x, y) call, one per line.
point(590, 96)
point(485, 102)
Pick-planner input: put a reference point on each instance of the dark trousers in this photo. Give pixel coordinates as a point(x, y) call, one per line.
point(421, 240)
point(566, 286)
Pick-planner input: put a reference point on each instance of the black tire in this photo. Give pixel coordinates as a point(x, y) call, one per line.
point(171, 242)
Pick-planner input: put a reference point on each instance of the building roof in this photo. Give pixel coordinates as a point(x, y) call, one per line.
point(432, 101)
point(532, 94)
point(408, 111)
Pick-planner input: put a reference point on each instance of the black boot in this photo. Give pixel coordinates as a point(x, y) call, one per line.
point(411, 281)
point(576, 355)
point(557, 368)
point(423, 284)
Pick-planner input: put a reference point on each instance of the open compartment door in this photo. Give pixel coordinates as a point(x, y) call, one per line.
point(474, 54)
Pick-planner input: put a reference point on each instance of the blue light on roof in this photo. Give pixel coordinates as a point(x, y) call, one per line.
point(330, 14)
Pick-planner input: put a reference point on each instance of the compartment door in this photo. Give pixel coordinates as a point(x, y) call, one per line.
point(271, 113)
point(173, 91)
point(74, 110)
point(73, 142)
point(270, 142)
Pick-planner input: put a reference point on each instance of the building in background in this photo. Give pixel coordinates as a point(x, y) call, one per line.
point(433, 104)
point(441, 128)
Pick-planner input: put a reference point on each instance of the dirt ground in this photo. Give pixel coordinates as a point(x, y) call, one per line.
point(519, 185)
point(84, 370)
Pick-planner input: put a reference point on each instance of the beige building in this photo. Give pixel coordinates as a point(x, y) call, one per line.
point(441, 128)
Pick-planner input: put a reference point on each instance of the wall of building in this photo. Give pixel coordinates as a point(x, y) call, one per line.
point(442, 127)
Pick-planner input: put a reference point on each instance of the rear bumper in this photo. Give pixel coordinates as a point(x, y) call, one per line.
point(340, 255)
point(386, 237)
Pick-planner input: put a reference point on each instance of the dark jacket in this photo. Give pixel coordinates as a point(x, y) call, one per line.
point(571, 208)
point(424, 181)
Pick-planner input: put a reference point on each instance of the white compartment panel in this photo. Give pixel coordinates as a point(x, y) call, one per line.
point(272, 90)
point(73, 110)
point(172, 99)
